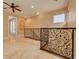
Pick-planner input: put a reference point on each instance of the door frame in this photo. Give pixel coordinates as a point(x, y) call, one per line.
point(9, 34)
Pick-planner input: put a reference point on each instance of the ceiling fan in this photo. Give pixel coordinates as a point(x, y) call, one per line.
point(56, 0)
point(12, 6)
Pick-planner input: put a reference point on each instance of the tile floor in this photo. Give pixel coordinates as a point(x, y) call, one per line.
point(25, 48)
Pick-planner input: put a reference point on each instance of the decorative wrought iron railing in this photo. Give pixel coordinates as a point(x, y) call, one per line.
point(55, 40)
point(33, 33)
point(58, 40)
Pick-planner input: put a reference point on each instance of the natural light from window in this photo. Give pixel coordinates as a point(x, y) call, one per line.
point(12, 25)
point(59, 18)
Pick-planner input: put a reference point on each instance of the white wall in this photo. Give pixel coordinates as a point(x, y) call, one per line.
point(45, 20)
point(20, 25)
point(72, 13)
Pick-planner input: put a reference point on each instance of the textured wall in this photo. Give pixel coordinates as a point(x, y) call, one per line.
point(5, 24)
point(72, 13)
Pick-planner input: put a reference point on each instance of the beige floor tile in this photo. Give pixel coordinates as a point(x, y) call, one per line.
point(25, 48)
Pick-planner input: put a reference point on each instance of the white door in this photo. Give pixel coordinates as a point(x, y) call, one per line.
point(12, 26)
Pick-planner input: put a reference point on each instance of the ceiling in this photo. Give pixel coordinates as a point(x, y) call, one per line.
point(40, 6)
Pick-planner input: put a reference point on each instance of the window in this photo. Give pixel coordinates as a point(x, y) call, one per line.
point(12, 25)
point(59, 18)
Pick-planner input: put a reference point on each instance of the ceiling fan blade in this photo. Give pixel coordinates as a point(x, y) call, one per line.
point(17, 6)
point(56, 0)
point(18, 9)
point(13, 10)
point(6, 3)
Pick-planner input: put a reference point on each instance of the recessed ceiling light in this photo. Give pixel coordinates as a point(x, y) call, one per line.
point(37, 13)
point(32, 6)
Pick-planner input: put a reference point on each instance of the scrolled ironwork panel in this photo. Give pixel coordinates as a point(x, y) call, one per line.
point(36, 33)
point(33, 33)
point(28, 32)
point(43, 37)
point(59, 41)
